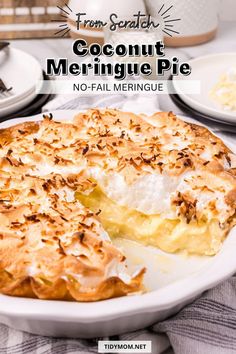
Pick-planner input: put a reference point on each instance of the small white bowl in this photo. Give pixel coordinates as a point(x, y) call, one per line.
point(102, 9)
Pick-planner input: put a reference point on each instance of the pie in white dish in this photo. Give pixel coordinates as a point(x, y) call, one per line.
point(68, 188)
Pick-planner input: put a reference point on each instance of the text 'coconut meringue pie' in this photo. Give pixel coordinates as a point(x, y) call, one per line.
point(68, 188)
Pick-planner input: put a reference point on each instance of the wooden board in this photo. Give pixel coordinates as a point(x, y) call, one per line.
point(30, 18)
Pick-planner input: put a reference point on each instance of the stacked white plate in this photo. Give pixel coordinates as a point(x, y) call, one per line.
point(22, 72)
point(207, 69)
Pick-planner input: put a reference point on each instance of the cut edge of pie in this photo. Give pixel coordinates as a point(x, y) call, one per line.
point(156, 180)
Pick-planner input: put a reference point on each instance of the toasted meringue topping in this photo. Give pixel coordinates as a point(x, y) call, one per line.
point(175, 182)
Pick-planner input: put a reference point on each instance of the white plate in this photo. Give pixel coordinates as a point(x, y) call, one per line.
point(208, 70)
point(21, 71)
point(173, 281)
point(16, 106)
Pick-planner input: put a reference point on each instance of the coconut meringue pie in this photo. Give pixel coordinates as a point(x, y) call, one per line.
point(67, 189)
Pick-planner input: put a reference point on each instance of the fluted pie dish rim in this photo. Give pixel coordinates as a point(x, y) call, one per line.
point(222, 266)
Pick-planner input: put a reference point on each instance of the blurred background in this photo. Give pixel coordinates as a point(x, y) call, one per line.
point(35, 18)
point(34, 30)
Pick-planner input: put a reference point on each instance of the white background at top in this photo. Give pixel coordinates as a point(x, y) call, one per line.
point(228, 10)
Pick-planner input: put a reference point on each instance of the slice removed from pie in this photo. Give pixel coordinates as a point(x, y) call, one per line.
point(66, 187)
point(159, 180)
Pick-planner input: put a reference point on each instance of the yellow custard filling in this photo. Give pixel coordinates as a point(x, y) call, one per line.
point(170, 235)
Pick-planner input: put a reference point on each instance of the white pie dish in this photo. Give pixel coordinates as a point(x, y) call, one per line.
point(172, 284)
point(208, 70)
